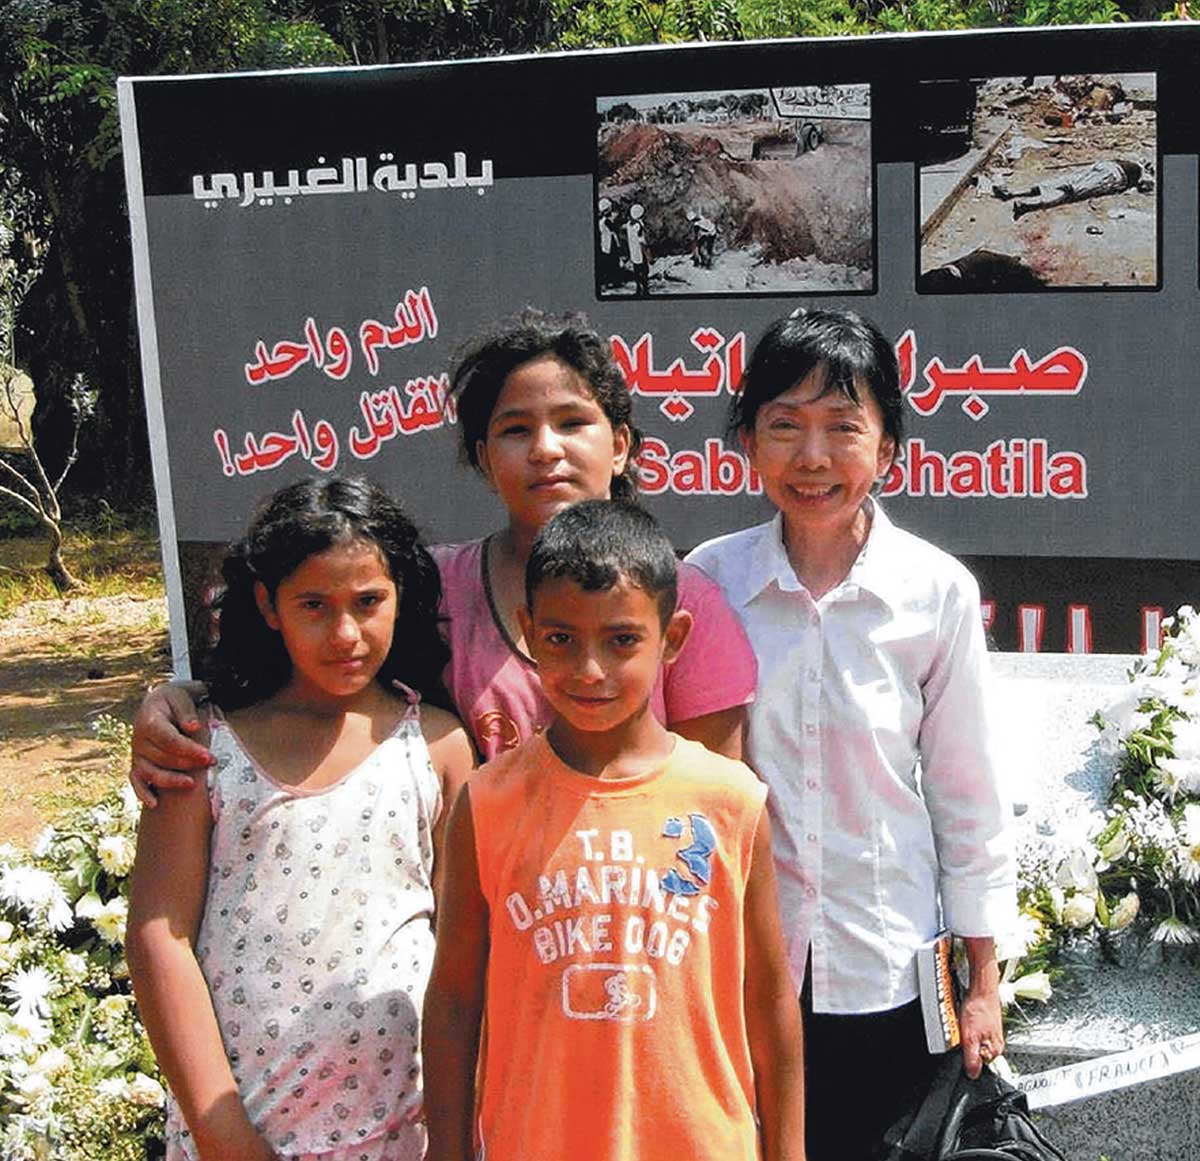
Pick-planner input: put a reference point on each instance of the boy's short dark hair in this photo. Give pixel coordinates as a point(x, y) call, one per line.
point(596, 544)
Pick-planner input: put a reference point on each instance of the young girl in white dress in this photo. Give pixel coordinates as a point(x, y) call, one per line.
point(280, 932)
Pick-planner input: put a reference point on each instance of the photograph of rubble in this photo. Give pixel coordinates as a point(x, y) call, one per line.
point(1038, 182)
point(726, 192)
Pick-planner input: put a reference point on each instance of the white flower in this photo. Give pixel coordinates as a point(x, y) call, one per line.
point(1189, 852)
point(29, 1032)
point(1185, 738)
point(1076, 871)
point(113, 1087)
point(1167, 778)
point(6, 930)
point(29, 990)
point(1116, 847)
point(130, 806)
point(110, 923)
point(74, 967)
point(1034, 986)
point(1057, 899)
point(41, 847)
point(1174, 930)
point(88, 906)
point(115, 853)
point(1118, 715)
point(145, 1090)
point(1124, 913)
point(1025, 932)
point(52, 1063)
point(58, 913)
point(1123, 715)
point(34, 1085)
point(1079, 911)
point(104, 820)
point(113, 1006)
point(1186, 641)
point(37, 892)
point(25, 1140)
point(1173, 685)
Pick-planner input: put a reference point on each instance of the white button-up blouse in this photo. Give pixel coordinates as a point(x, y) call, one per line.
point(871, 728)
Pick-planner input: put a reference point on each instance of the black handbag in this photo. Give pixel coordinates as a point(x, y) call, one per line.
point(961, 1119)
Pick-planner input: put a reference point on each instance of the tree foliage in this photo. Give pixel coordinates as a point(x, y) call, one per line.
point(24, 480)
point(60, 147)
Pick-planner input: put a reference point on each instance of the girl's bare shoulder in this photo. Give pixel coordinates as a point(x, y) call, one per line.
point(437, 723)
point(449, 744)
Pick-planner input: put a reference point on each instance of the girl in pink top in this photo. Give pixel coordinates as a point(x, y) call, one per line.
point(545, 417)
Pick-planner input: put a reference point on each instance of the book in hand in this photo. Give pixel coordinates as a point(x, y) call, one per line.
point(939, 996)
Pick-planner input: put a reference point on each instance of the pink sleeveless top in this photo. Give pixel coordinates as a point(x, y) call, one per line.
point(495, 687)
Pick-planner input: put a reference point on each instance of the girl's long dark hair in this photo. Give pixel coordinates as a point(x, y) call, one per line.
point(249, 661)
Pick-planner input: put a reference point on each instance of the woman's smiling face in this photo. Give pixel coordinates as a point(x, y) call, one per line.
point(819, 453)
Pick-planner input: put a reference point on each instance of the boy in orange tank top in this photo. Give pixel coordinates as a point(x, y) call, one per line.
point(609, 903)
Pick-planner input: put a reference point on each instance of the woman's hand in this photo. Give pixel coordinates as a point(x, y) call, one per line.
point(163, 752)
point(981, 1019)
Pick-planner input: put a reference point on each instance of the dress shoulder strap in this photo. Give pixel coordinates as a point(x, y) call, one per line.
point(411, 696)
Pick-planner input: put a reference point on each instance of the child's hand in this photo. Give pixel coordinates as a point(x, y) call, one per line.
point(163, 751)
point(254, 1147)
point(226, 1133)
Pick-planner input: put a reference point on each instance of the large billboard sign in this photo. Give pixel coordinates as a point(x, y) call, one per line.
point(1018, 209)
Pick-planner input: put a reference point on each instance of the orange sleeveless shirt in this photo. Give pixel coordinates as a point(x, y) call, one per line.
point(615, 1017)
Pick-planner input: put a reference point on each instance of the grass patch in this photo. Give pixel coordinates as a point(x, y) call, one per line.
point(115, 556)
point(61, 788)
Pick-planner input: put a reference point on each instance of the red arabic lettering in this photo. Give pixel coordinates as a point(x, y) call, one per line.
point(677, 382)
point(906, 357)
point(1061, 372)
point(388, 413)
point(286, 356)
point(264, 452)
point(415, 320)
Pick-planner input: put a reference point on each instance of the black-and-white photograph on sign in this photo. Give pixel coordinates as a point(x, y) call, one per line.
point(1038, 182)
point(749, 191)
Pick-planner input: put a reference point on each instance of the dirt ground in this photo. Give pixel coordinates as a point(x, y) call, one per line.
point(62, 664)
point(1102, 241)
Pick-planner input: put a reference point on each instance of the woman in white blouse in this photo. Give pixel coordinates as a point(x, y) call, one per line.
point(870, 728)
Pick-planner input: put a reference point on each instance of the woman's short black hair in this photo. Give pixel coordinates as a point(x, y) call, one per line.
point(849, 349)
point(479, 372)
point(598, 543)
point(249, 661)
